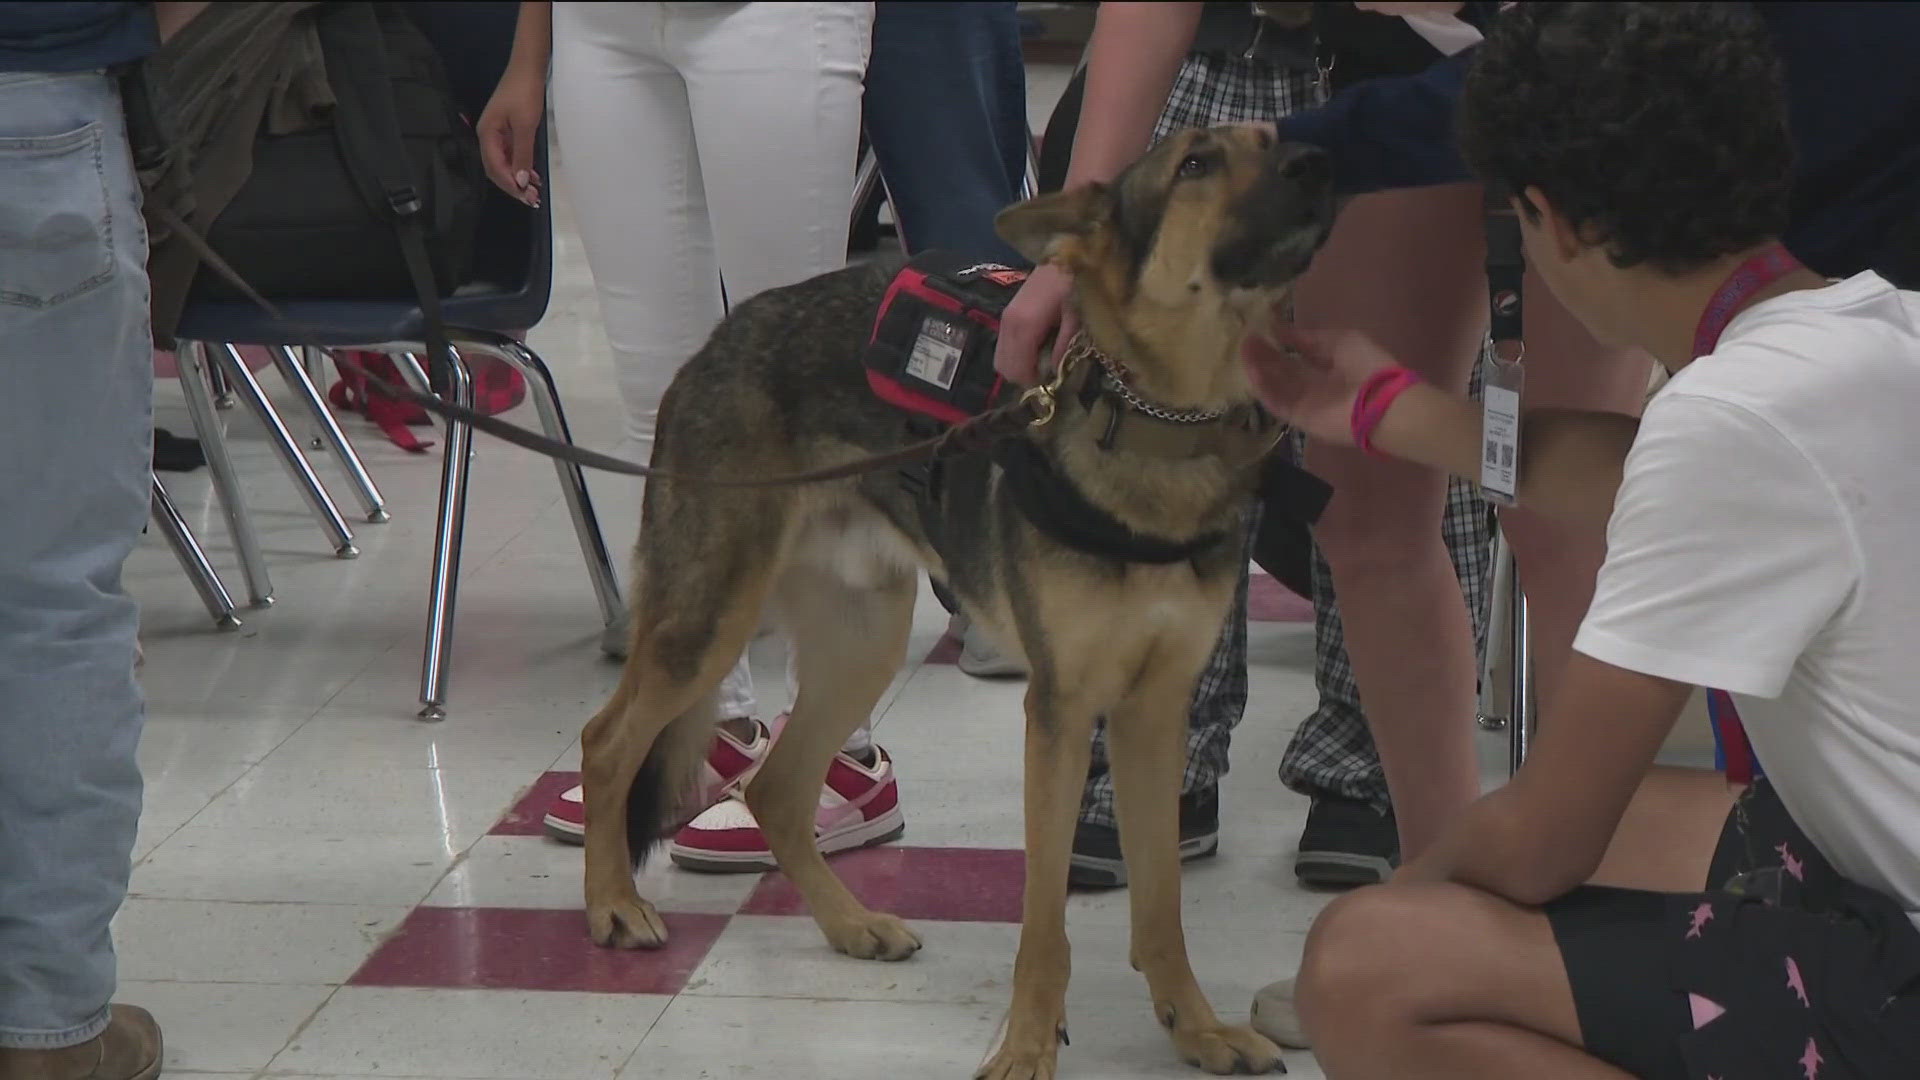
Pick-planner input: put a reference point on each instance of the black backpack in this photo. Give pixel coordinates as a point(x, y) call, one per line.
point(314, 220)
point(373, 198)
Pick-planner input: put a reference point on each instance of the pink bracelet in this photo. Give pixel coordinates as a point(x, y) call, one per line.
point(1377, 395)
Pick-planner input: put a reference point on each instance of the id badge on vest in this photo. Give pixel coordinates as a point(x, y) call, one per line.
point(1500, 430)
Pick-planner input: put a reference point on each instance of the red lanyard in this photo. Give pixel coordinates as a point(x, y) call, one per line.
point(1736, 293)
point(1739, 289)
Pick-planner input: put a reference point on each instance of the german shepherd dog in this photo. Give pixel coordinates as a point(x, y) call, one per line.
point(1173, 264)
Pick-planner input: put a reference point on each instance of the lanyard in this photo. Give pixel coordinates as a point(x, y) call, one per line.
point(1747, 279)
point(1739, 289)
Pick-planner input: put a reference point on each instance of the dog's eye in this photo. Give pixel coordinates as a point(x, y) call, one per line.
point(1195, 167)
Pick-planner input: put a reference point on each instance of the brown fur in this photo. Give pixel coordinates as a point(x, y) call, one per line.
point(1172, 264)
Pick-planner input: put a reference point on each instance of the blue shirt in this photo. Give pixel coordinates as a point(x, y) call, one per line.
point(74, 36)
point(1853, 101)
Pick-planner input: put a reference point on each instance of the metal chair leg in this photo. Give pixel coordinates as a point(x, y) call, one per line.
point(295, 371)
point(193, 559)
point(1508, 703)
point(1519, 670)
point(296, 463)
point(865, 178)
point(195, 385)
point(222, 390)
point(449, 532)
point(312, 430)
point(1493, 710)
point(313, 363)
point(412, 370)
point(573, 481)
point(1030, 180)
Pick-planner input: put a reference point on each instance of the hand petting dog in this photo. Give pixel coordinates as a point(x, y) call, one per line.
point(1311, 378)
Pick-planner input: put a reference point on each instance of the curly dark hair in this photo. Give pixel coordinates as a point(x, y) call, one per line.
point(1659, 130)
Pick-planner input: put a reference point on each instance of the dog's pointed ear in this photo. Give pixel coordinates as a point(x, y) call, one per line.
point(1039, 228)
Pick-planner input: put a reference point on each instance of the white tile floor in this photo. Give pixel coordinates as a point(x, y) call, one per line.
point(296, 812)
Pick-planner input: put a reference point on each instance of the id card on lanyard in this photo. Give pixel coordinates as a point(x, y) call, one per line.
point(1500, 428)
point(1504, 378)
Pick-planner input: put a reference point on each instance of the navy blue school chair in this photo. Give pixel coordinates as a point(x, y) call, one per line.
point(513, 275)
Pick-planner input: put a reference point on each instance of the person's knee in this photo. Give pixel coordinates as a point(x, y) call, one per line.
point(1361, 957)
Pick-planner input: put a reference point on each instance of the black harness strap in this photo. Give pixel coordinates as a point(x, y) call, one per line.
point(1057, 508)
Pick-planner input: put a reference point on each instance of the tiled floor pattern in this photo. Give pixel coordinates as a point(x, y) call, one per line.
point(327, 888)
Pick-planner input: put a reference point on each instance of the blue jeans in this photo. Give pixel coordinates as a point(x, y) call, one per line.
point(76, 436)
point(946, 113)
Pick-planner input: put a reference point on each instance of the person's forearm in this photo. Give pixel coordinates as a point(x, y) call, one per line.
point(1135, 52)
point(1548, 830)
point(1491, 847)
point(1390, 132)
point(1570, 461)
point(532, 40)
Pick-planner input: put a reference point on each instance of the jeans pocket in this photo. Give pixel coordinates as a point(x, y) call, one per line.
point(56, 228)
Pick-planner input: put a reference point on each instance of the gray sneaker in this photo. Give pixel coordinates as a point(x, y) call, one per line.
point(980, 659)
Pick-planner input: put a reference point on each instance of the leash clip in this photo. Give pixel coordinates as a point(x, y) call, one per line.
point(1045, 398)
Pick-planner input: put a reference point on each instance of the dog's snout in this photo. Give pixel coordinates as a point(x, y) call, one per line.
point(1305, 164)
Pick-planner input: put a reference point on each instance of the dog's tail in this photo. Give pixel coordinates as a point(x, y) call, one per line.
point(663, 792)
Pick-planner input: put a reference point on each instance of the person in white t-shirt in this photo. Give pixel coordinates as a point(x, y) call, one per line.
point(1598, 918)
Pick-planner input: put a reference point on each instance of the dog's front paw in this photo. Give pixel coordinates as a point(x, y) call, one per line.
point(1026, 1055)
point(1228, 1050)
point(627, 924)
point(873, 935)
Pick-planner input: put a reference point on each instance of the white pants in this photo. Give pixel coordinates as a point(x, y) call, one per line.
point(705, 145)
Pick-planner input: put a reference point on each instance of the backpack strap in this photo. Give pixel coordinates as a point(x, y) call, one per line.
point(376, 158)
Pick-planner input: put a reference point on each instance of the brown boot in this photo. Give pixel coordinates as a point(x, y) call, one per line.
point(129, 1049)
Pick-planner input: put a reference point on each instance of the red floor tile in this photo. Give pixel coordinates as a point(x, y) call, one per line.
point(934, 884)
point(532, 949)
point(1270, 601)
point(527, 815)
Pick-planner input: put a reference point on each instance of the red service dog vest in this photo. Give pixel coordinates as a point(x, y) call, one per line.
point(931, 352)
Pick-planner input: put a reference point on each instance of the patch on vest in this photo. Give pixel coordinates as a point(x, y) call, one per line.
point(931, 351)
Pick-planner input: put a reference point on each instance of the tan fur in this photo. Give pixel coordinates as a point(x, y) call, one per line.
point(838, 564)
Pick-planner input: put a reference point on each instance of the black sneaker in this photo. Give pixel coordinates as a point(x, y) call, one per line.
point(1347, 842)
point(171, 453)
point(1097, 863)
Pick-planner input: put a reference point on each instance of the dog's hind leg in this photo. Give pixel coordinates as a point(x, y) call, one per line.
point(1146, 739)
point(642, 751)
point(613, 747)
point(848, 643)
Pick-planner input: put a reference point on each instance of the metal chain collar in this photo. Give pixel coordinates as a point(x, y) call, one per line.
point(1114, 378)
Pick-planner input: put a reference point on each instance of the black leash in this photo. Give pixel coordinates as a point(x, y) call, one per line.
point(1033, 409)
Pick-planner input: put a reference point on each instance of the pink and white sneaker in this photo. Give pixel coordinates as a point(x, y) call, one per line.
point(728, 761)
point(859, 807)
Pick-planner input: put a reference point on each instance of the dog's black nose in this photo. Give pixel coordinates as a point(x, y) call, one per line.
point(1305, 164)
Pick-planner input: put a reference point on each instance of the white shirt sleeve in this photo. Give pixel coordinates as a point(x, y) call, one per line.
point(1727, 552)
